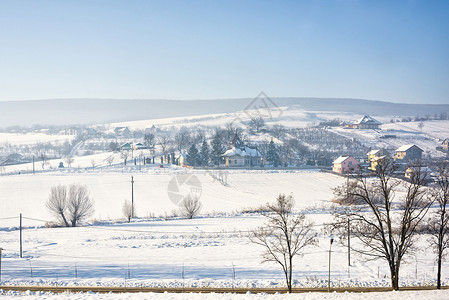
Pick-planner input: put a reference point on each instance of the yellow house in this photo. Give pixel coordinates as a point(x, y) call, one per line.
point(374, 156)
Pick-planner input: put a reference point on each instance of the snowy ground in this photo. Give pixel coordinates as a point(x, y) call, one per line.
point(430, 295)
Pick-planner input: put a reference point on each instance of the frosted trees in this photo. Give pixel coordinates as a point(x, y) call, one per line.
point(128, 210)
point(384, 226)
point(70, 205)
point(190, 206)
point(439, 222)
point(284, 235)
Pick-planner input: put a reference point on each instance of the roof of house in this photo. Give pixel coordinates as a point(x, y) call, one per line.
point(242, 151)
point(341, 159)
point(373, 152)
point(367, 120)
point(406, 147)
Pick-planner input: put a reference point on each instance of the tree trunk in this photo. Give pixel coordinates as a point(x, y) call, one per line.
point(394, 279)
point(439, 272)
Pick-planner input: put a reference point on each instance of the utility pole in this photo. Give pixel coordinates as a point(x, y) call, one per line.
point(132, 196)
point(329, 274)
point(20, 235)
point(33, 164)
point(1, 264)
point(349, 248)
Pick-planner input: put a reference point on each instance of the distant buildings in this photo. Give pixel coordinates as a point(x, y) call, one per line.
point(346, 164)
point(365, 122)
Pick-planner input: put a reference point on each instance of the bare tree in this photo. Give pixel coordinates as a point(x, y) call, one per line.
point(190, 206)
point(110, 159)
point(278, 131)
point(284, 236)
point(129, 210)
point(57, 203)
point(421, 125)
point(93, 163)
point(385, 226)
point(125, 155)
point(70, 205)
point(44, 159)
point(257, 124)
point(164, 141)
point(150, 140)
point(69, 160)
point(80, 206)
point(439, 221)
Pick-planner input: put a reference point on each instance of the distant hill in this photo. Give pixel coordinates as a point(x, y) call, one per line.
point(90, 111)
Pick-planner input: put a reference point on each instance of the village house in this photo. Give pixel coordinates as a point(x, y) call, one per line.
point(375, 156)
point(240, 155)
point(181, 160)
point(408, 153)
point(446, 145)
point(122, 132)
point(346, 164)
point(365, 122)
point(424, 172)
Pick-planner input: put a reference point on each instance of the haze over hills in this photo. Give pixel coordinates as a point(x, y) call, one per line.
point(90, 111)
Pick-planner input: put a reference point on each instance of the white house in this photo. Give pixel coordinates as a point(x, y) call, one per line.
point(240, 155)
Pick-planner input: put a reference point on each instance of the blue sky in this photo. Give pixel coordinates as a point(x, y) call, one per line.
point(394, 51)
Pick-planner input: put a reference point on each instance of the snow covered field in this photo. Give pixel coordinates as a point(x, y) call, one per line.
point(156, 251)
point(430, 295)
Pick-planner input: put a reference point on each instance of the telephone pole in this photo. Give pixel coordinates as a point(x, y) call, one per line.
point(1, 264)
point(20, 235)
point(132, 196)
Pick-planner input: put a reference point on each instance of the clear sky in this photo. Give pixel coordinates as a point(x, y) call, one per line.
point(384, 50)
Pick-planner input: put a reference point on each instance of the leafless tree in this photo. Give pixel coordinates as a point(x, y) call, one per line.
point(110, 159)
point(150, 140)
point(164, 141)
point(278, 131)
point(385, 226)
point(70, 205)
point(44, 159)
point(421, 125)
point(284, 235)
point(257, 123)
point(190, 206)
point(125, 155)
point(129, 210)
point(93, 163)
point(439, 221)
point(69, 160)
point(57, 203)
point(80, 205)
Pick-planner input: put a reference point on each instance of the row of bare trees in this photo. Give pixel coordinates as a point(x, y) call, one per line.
point(387, 215)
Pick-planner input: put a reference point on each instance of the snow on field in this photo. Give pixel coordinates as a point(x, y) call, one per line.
point(429, 295)
point(33, 138)
point(27, 193)
point(157, 251)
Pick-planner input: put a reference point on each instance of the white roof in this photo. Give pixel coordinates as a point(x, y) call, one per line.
point(367, 120)
point(244, 151)
point(373, 152)
point(340, 159)
point(406, 147)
